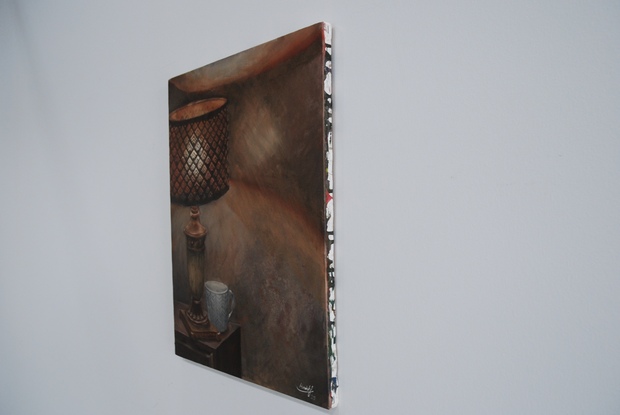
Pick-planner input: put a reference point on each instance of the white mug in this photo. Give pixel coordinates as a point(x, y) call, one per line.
point(220, 304)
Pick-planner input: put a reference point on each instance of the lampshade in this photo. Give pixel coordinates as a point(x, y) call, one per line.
point(198, 152)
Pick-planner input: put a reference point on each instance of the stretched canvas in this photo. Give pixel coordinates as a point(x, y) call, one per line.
point(251, 161)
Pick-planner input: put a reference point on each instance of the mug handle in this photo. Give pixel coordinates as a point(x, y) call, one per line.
point(232, 302)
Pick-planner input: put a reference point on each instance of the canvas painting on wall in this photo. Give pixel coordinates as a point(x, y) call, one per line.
point(252, 215)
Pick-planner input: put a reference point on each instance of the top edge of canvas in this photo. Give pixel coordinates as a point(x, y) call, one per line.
point(251, 61)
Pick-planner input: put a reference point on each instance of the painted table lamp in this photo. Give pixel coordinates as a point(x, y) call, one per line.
point(198, 175)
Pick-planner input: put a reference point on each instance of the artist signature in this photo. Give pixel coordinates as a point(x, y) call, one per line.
point(307, 389)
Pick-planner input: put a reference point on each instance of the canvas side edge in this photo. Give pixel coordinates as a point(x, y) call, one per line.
point(329, 214)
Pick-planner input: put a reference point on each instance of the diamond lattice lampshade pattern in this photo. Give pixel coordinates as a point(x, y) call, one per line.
point(198, 152)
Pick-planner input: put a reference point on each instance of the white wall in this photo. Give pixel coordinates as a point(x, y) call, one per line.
point(478, 205)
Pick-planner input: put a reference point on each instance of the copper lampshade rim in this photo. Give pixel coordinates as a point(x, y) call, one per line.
point(185, 200)
point(197, 109)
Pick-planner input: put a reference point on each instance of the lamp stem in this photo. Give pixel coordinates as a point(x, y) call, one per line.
point(195, 235)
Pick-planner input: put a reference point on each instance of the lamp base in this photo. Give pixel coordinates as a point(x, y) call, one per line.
point(196, 314)
point(198, 331)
